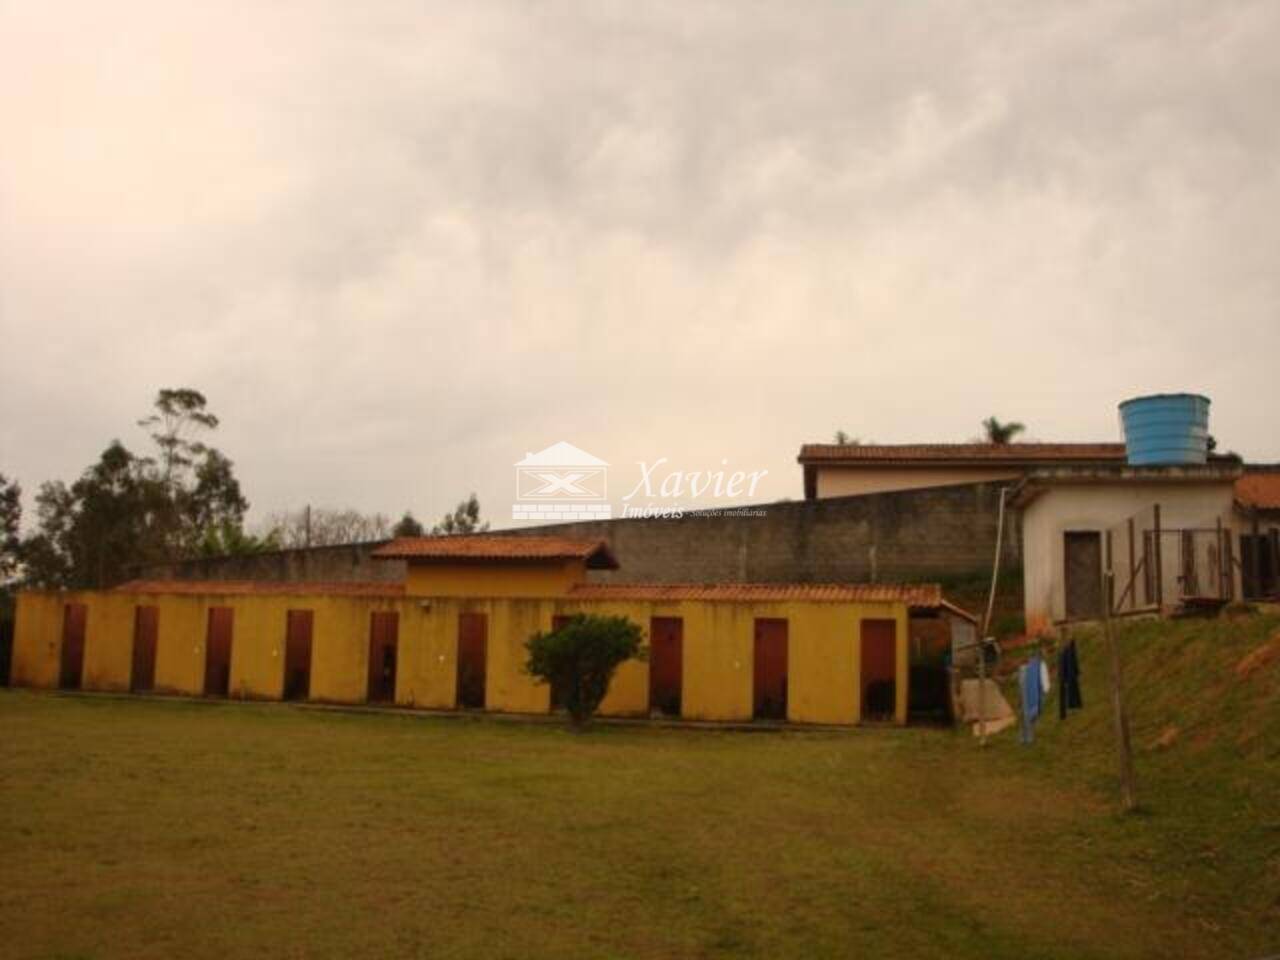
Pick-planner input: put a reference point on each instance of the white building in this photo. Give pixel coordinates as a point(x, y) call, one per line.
point(1165, 533)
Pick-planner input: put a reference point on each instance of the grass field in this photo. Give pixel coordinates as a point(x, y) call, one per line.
point(134, 828)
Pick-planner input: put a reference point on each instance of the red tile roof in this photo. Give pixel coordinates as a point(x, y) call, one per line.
point(910, 454)
point(1259, 488)
point(485, 547)
point(261, 587)
point(916, 595)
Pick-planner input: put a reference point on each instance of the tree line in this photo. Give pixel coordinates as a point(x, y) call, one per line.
point(178, 498)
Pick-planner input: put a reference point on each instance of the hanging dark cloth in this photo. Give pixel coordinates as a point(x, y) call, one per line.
point(1068, 680)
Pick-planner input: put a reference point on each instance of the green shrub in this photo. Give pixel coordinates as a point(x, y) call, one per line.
point(579, 657)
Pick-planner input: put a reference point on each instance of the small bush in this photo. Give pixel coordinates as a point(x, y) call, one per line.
point(578, 659)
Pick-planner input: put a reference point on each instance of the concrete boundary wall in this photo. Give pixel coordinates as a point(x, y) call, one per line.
point(940, 533)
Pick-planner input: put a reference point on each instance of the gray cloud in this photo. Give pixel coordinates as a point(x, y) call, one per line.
point(401, 244)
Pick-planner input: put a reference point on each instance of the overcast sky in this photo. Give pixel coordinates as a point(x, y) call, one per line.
point(399, 245)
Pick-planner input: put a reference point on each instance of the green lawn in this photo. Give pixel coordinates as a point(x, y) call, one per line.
point(134, 828)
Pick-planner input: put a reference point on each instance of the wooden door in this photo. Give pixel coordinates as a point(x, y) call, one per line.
point(74, 617)
point(146, 632)
point(666, 664)
point(770, 674)
point(1083, 574)
point(217, 652)
point(473, 643)
point(384, 634)
point(879, 668)
point(297, 654)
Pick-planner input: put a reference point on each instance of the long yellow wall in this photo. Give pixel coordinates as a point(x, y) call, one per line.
point(823, 649)
point(493, 579)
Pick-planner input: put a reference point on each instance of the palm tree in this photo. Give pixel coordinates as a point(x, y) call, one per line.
point(998, 432)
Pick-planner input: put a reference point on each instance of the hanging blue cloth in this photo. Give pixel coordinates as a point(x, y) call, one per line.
point(1030, 686)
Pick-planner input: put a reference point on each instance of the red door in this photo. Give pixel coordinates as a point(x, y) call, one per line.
point(297, 654)
point(217, 652)
point(771, 670)
point(473, 642)
point(384, 632)
point(666, 664)
point(879, 669)
point(74, 616)
point(146, 630)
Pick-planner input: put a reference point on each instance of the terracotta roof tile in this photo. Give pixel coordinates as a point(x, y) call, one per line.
point(1259, 488)
point(1014, 454)
point(916, 595)
point(264, 587)
point(485, 547)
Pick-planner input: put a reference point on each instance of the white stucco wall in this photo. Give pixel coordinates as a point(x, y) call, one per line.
point(1098, 506)
point(853, 481)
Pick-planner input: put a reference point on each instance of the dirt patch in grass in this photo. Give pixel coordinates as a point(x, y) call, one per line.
point(1259, 658)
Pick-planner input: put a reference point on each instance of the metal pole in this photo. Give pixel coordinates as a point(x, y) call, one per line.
point(1128, 790)
point(995, 565)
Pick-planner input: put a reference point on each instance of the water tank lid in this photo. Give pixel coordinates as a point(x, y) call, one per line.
point(1163, 396)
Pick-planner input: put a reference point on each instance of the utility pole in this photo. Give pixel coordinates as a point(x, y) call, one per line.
point(1128, 790)
point(307, 522)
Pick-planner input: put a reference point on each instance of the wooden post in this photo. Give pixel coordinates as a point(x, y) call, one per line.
point(1128, 790)
point(1256, 561)
point(1275, 560)
point(1133, 567)
point(982, 692)
point(1109, 597)
point(1159, 573)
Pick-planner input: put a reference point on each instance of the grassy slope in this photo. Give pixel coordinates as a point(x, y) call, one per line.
point(136, 829)
point(1207, 745)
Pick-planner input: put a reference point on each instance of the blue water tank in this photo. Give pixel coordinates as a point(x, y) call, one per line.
point(1166, 428)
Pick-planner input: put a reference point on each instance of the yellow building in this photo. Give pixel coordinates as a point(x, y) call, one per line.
point(453, 634)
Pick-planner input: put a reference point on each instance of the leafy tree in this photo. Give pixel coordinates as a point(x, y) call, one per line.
point(465, 518)
point(407, 526)
point(179, 412)
point(10, 520)
point(998, 432)
point(227, 540)
point(89, 533)
point(579, 659)
point(126, 509)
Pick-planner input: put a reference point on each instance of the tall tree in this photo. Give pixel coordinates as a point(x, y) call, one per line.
point(407, 526)
point(998, 432)
point(126, 509)
point(91, 532)
point(465, 518)
point(10, 521)
point(179, 414)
